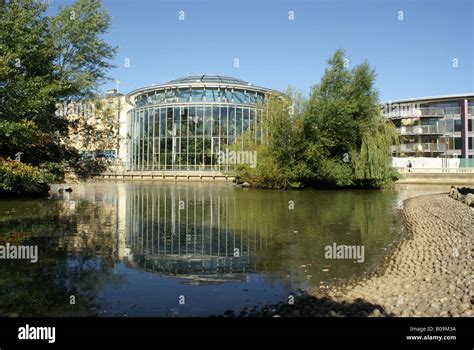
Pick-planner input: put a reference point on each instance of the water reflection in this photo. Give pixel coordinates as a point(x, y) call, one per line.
point(76, 256)
point(188, 234)
point(116, 246)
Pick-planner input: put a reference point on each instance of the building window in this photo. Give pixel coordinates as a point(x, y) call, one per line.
point(457, 143)
point(457, 125)
point(449, 125)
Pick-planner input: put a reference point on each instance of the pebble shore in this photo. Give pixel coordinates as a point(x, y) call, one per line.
point(429, 273)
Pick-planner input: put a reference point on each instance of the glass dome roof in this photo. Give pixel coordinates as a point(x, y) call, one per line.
point(205, 78)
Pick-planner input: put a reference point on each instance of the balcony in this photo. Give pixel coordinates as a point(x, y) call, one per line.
point(420, 147)
point(422, 130)
point(440, 112)
point(425, 112)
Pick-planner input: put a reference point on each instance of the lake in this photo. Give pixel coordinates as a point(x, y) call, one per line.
point(187, 249)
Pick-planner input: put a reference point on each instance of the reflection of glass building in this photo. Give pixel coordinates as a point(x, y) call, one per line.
point(441, 126)
point(185, 123)
point(189, 234)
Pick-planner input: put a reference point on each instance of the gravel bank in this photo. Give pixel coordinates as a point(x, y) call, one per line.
point(429, 273)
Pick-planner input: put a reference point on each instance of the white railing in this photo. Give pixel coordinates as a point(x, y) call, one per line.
point(420, 147)
point(435, 170)
point(435, 111)
point(424, 112)
point(420, 130)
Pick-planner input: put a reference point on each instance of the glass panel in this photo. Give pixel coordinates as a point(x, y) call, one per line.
point(231, 124)
point(208, 121)
point(177, 121)
point(160, 97)
point(252, 97)
point(449, 125)
point(224, 124)
point(457, 143)
point(215, 121)
point(245, 118)
point(184, 95)
point(239, 96)
point(192, 121)
point(220, 95)
point(199, 120)
point(211, 95)
point(157, 122)
point(162, 153)
point(198, 95)
point(252, 122)
point(184, 121)
point(157, 154)
point(169, 96)
point(457, 125)
point(168, 138)
point(162, 122)
point(238, 121)
point(228, 95)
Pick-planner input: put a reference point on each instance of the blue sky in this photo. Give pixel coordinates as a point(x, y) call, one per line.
point(413, 57)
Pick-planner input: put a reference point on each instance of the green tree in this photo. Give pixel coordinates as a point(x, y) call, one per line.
point(348, 139)
point(81, 55)
point(338, 138)
point(46, 62)
point(278, 164)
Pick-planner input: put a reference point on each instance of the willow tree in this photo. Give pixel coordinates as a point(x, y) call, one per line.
point(372, 163)
point(338, 138)
point(347, 138)
point(278, 141)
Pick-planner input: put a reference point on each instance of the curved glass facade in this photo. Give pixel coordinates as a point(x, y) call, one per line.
point(185, 127)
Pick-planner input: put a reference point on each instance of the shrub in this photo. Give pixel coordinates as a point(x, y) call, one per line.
point(19, 178)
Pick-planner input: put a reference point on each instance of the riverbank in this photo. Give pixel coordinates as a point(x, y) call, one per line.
point(428, 273)
point(420, 176)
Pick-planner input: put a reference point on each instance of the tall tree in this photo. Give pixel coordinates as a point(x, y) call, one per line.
point(44, 62)
point(348, 140)
point(337, 138)
point(82, 56)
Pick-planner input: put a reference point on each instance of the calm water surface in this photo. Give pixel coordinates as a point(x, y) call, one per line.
point(186, 249)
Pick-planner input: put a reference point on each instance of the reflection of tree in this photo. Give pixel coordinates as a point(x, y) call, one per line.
point(70, 261)
point(78, 239)
point(323, 218)
point(277, 240)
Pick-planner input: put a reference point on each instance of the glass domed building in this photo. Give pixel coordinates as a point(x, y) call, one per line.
point(184, 124)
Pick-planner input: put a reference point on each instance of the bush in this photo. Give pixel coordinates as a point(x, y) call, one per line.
point(54, 172)
point(19, 178)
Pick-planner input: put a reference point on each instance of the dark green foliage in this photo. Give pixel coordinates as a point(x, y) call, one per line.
point(45, 61)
